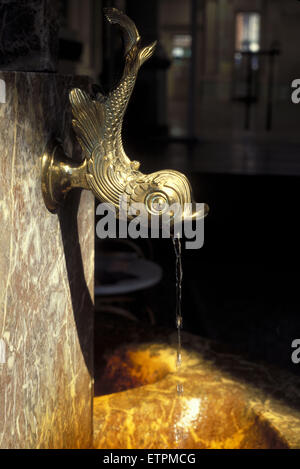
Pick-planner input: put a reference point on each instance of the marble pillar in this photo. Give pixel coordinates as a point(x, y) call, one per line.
point(46, 275)
point(29, 34)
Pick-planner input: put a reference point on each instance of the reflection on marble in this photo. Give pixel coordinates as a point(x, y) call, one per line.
point(46, 276)
point(29, 35)
point(227, 403)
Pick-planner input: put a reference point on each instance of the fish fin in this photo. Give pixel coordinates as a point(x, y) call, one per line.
point(88, 120)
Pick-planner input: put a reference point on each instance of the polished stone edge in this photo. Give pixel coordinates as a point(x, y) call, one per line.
point(272, 393)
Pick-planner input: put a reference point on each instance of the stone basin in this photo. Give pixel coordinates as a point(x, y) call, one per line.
point(138, 405)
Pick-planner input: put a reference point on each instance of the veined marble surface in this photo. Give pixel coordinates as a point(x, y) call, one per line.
point(46, 276)
point(29, 35)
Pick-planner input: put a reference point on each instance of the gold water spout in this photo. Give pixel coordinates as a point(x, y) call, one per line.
point(106, 170)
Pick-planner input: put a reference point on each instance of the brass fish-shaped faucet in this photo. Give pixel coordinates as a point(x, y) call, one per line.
point(106, 169)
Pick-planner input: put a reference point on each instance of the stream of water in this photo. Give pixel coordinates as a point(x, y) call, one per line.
point(179, 273)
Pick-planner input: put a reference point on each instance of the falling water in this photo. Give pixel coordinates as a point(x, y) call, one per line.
point(177, 249)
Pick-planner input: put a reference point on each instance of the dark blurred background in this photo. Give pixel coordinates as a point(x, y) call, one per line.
point(214, 102)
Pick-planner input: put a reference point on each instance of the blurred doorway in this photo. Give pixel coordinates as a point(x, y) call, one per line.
point(181, 37)
point(178, 81)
